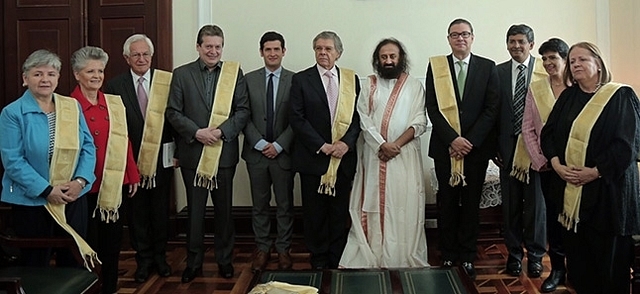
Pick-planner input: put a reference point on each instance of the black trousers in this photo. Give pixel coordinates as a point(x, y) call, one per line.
point(148, 215)
point(326, 220)
point(458, 211)
point(106, 239)
point(223, 227)
point(36, 222)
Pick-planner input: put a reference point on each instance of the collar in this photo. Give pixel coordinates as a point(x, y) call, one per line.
point(465, 60)
point(29, 103)
point(275, 73)
point(322, 70)
point(84, 102)
point(514, 64)
point(204, 67)
point(146, 76)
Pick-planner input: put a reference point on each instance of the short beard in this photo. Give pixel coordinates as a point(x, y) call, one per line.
point(389, 72)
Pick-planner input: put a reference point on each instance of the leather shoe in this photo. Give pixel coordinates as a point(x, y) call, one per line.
point(556, 277)
point(284, 261)
point(164, 270)
point(190, 273)
point(469, 269)
point(260, 259)
point(226, 270)
point(514, 266)
point(534, 268)
point(142, 273)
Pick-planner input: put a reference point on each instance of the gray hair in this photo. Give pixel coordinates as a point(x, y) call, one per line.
point(80, 58)
point(40, 58)
point(126, 48)
point(329, 35)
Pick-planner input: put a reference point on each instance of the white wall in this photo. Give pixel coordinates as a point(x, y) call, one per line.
point(420, 24)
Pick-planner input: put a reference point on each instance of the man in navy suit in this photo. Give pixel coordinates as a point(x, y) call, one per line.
point(314, 113)
point(266, 150)
point(149, 210)
point(471, 84)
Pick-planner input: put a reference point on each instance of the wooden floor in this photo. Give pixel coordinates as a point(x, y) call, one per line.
point(491, 278)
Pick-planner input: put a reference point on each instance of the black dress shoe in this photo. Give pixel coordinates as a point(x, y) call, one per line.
point(164, 270)
point(469, 269)
point(556, 277)
point(142, 273)
point(514, 266)
point(226, 270)
point(534, 268)
point(190, 273)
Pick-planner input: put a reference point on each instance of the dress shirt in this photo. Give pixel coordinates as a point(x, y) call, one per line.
point(457, 66)
point(515, 71)
point(146, 83)
point(260, 145)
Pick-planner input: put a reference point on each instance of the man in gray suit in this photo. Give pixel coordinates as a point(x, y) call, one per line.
point(267, 139)
point(198, 89)
point(523, 206)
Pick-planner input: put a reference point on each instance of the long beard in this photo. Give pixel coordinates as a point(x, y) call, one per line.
point(389, 72)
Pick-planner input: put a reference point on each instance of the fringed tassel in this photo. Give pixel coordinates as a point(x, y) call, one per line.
point(327, 185)
point(91, 258)
point(203, 181)
point(107, 214)
point(568, 222)
point(456, 179)
point(521, 174)
point(148, 182)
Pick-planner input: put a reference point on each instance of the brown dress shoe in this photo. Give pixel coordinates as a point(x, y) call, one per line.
point(260, 259)
point(284, 261)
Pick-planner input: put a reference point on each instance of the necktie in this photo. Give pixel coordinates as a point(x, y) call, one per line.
point(332, 94)
point(518, 100)
point(462, 77)
point(269, 105)
point(142, 97)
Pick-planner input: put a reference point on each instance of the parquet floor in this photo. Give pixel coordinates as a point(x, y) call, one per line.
point(491, 278)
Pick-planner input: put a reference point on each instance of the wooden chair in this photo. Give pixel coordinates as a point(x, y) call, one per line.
point(35, 280)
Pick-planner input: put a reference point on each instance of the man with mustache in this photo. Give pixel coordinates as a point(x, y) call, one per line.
point(462, 102)
point(387, 201)
point(523, 206)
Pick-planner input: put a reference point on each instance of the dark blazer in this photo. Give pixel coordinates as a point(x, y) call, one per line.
point(478, 111)
point(311, 123)
point(506, 139)
point(255, 130)
point(123, 85)
point(189, 109)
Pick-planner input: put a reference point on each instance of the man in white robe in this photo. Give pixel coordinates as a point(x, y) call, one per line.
point(388, 198)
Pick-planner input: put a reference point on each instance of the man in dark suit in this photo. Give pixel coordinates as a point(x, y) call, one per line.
point(470, 82)
point(315, 109)
point(196, 93)
point(523, 205)
point(149, 210)
point(267, 142)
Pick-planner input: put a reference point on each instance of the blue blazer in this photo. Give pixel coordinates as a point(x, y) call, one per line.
point(24, 150)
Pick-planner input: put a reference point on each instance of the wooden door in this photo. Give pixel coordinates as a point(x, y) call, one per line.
point(111, 22)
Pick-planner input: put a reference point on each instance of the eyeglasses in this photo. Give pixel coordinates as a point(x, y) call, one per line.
point(139, 55)
point(464, 35)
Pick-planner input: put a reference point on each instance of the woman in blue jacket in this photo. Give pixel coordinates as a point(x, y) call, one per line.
point(48, 156)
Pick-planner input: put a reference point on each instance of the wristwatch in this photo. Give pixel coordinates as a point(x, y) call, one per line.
point(81, 181)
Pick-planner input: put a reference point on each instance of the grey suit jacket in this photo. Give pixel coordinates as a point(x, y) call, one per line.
point(506, 138)
point(255, 130)
point(189, 109)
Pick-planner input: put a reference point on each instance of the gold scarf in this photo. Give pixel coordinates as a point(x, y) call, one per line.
point(448, 106)
point(115, 161)
point(576, 151)
point(210, 158)
point(344, 115)
point(66, 148)
point(152, 131)
point(521, 159)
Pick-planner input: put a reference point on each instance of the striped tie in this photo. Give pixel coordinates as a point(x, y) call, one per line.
point(518, 100)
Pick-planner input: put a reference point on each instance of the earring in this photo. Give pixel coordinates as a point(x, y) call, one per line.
point(599, 69)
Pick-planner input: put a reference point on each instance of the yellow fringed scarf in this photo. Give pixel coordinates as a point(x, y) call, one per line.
point(210, 158)
point(115, 161)
point(344, 115)
point(521, 159)
point(66, 148)
point(576, 151)
point(152, 131)
point(448, 106)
